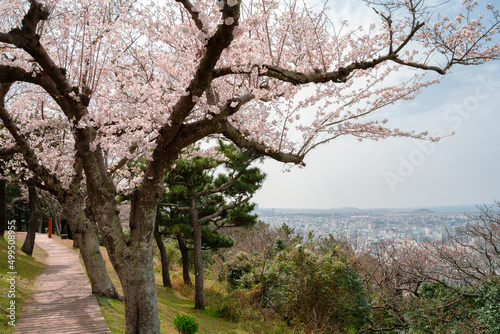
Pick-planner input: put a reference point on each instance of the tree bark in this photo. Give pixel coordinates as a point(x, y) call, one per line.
point(141, 303)
point(134, 264)
point(84, 233)
point(29, 242)
point(3, 207)
point(165, 272)
point(185, 260)
point(199, 291)
point(57, 225)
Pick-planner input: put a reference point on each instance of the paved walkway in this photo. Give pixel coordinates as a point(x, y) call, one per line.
point(61, 301)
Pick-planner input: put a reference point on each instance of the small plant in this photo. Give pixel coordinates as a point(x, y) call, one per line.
point(186, 324)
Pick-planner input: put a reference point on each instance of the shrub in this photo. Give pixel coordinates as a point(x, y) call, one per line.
point(222, 306)
point(186, 324)
point(321, 292)
point(240, 265)
point(489, 305)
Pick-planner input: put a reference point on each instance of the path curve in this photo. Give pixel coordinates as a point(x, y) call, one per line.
point(61, 301)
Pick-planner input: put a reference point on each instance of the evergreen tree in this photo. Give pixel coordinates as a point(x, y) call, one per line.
point(206, 194)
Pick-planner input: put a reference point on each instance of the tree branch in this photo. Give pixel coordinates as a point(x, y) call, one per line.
point(300, 78)
point(437, 69)
point(220, 40)
point(236, 136)
point(224, 208)
point(10, 150)
point(123, 161)
point(59, 87)
point(195, 15)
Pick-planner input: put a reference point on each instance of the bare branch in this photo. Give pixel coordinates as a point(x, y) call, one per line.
point(339, 76)
point(437, 69)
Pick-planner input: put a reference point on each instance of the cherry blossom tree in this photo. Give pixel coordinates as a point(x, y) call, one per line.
point(69, 196)
point(122, 80)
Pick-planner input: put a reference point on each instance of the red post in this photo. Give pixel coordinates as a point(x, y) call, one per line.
point(50, 227)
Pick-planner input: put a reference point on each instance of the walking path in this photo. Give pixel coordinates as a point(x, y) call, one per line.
point(61, 301)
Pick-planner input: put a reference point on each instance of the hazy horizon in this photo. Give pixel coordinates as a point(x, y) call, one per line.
point(466, 207)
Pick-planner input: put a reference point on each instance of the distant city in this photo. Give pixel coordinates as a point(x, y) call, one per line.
point(364, 228)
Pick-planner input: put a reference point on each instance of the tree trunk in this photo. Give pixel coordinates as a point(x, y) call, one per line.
point(29, 242)
point(52, 203)
point(133, 262)
point(185, 260)
point(84, 234)
point(199, 291)
point(141, 303)
point(165, 273)
point(26, 220)
point(132, 257)
point(3, 207)
point(57, 225)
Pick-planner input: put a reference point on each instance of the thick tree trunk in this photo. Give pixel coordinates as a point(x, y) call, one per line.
point(141, 304)
point(165, 272)
point(199, 290)
point(132, 259)
point(185, 260)
point(88, 243)
point(29, 242)
point(26, 220)
point(133, 262)
point(3, 207)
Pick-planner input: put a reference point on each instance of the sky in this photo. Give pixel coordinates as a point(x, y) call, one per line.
point(461, 169)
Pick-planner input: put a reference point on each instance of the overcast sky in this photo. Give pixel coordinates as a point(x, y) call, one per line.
point(461, 169)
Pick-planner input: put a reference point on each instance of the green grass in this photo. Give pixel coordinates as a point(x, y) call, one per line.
point(28, 268)
point(171, 302)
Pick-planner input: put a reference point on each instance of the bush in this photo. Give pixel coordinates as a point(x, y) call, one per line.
point(240, 265)
point(321, 293)
point(222, 306)
point(186, 324)
point(489, 305)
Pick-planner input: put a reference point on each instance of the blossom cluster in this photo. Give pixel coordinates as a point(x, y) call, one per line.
point(288, 79)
